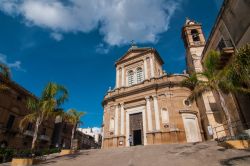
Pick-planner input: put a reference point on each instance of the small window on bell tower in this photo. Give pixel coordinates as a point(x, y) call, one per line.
point(195, 35)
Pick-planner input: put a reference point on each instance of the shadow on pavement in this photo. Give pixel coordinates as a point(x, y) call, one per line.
point(66, 157)
point(236, 160)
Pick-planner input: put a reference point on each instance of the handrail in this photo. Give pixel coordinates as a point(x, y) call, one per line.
point(237, 126)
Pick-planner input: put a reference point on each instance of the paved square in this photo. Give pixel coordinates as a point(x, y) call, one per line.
point(205, 154)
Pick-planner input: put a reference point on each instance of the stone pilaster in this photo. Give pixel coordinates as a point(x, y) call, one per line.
point(149, 113)
point(123, 78)
point(117, 78)
point(145, 69)
point(156, 110)
point(122, 119)
point(116, 120)
point(152, 72)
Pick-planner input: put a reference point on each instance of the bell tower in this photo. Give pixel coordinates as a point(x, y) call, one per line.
point(194, 42)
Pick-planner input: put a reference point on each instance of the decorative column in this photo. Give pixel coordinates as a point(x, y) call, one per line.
point(123, 79)
point(152, 72)
point(145, 69)
point(122, 119)
point(149, 114)
point(157, 117)
point(116, 120)
point(117, 78)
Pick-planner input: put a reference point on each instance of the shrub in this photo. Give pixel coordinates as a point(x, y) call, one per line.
point(6, 154)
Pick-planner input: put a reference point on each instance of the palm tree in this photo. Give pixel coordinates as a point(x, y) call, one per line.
point(74, 117)
point(237, 72)
point(4, 71)
point(210, 80)
point(44, 107)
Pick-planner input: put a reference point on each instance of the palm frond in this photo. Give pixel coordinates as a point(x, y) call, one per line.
point(63, 95)
point(198, 91)
point(190, 82)
point(55, 91)
point(28, 118)
point(32, 104)
point(4, 70)
point(73, 116)
point(211, 62)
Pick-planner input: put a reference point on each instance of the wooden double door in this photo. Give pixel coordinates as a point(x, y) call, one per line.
point(136, 128)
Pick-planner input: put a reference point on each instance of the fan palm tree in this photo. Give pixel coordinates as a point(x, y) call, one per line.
point(210, 80)
point(44, 107)
point(74, 117)
point(4, 70)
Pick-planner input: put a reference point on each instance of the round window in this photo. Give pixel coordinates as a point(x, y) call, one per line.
point(187, 102)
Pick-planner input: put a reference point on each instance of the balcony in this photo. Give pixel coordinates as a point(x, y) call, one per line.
point(226, 55)
point(44, 138)
point(28, 133)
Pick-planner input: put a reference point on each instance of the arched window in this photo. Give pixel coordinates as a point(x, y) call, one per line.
point(139, 75)
point(195, 35)
point(165, 115)
point(130, 77)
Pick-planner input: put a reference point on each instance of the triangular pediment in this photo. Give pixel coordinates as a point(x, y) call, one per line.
point(133, 53)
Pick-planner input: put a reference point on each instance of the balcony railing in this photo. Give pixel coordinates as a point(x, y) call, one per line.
point(44, 137)
point(240, 131)
point(28, 133)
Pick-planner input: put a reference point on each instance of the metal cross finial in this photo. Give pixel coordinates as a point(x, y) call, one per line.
point(132, 42)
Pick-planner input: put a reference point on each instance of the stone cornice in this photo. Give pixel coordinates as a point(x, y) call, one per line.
point(188, 111)
point(154, 83)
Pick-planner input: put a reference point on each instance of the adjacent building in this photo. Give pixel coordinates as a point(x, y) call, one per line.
point(12, 110)
point(85, 141)
point(147, 105)
point(61, 137)
point(230, 32)
point(96, 133)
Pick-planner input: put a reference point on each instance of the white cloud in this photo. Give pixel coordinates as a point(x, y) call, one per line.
point(102, 49)
point(15, 65)
point(119, 21)
point(56, 36)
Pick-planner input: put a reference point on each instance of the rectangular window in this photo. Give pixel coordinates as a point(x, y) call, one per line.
point(10, 121)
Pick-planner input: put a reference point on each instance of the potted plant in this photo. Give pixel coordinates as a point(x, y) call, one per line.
point(22, 158)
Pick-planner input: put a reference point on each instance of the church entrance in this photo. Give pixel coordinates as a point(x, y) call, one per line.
point(137, 137)
point(136, 128)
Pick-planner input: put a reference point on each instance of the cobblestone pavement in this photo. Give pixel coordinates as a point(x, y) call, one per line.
point(201, 154)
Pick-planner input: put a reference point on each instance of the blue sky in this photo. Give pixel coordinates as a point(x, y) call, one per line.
point(76, 42)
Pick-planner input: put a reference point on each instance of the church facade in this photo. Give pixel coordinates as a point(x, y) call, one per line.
point(147, 105)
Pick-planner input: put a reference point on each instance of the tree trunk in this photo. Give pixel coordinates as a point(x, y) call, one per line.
point(72, 136)
point(35, 134)
point(224, 107)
